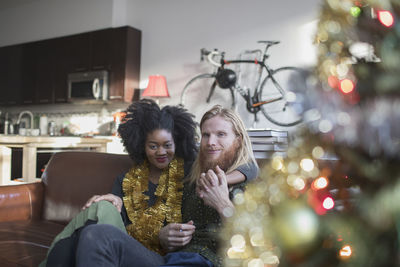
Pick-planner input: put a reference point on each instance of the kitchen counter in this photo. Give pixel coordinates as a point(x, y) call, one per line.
point(30, 146)
point(10, 139)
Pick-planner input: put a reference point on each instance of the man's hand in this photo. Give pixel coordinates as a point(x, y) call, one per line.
point(176, 235)
point(213, 189)
point(205, 182)
point(113, 199)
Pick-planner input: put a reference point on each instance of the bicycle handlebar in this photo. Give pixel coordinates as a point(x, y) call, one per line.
point(211, 55)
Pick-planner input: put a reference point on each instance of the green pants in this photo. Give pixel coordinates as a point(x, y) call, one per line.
point(102, 212)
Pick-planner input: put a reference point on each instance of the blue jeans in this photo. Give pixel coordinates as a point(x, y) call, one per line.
point(106, 245)
point(185, 259)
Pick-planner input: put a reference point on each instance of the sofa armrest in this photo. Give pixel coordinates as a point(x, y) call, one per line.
point(21, 202)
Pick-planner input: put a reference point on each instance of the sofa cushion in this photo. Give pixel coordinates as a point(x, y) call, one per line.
point(71, 178)
point(25, 243)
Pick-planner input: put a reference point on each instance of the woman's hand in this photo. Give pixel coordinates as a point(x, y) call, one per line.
point(113, 199)
point(176, 235)
point(213, 189)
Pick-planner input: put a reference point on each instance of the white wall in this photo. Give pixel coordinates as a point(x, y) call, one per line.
point(173, 31)
point(42, 19)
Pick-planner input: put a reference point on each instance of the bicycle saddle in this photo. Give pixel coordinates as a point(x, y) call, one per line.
point(269, 42)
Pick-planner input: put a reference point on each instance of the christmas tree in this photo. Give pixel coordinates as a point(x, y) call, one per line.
point(334, 200)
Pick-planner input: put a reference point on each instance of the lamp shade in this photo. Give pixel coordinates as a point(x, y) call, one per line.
point(157, 87)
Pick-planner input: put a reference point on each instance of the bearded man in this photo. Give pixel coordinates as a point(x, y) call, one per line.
point(225, 146)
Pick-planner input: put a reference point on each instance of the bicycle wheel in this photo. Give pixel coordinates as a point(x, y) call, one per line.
point(279, 91)
point(202, 92)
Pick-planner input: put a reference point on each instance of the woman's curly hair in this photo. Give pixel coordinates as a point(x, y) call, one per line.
point(144, 116)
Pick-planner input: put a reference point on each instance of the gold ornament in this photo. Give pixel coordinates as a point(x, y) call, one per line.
point(297, 227)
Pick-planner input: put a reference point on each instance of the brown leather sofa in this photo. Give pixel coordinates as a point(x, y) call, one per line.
point(31, 215)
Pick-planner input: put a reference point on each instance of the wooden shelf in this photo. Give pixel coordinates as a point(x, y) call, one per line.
point(30, 146)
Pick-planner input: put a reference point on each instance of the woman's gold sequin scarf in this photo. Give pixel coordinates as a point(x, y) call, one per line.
point(147, 221)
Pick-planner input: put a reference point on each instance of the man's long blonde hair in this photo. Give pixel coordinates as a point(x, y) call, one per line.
point(245, 152)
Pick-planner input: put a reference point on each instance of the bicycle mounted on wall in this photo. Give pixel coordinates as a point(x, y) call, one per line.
point(274, 96)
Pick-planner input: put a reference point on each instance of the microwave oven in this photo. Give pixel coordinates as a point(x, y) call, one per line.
point(85, 86)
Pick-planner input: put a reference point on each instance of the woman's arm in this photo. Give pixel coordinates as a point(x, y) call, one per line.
point(245, 172)
point(235, 177)
point(249, 171)
point(113, 199)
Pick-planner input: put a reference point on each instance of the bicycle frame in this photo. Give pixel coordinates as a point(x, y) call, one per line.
point(253, 102)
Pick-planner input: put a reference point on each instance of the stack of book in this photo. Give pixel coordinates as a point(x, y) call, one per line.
point(266, 142)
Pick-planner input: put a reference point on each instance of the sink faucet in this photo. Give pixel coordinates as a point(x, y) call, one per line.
point(28, 113)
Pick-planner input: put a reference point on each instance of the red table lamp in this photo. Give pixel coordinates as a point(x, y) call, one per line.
point(156, 88)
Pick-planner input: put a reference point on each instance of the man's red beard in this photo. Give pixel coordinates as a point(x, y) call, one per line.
point(224, 161)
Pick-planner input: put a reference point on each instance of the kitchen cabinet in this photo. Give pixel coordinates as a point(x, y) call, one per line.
point(116, 50)
point(44, 72)
point(124, 63)
point(77, 52)
point(60, 80)
point(102, 49)
point(11, 75)
point(28, 79)
point(36, 72)
point(74, 54)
